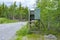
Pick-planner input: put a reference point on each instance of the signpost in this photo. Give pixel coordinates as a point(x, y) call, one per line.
point(37, 14)
point(34, 16)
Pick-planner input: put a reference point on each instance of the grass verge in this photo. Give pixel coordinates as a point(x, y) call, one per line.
point(25, 33)
point(5, 20)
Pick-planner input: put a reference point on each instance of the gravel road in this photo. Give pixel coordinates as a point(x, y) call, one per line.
point(7, 31)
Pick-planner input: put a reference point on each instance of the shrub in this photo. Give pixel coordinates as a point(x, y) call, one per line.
point(5, 20)
point(23, 31)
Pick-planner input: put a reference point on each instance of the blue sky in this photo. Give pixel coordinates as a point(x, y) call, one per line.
point(28, 3)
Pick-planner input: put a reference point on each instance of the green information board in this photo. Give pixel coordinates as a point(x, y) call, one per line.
point(37, 13)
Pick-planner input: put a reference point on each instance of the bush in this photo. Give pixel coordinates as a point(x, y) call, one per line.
point(23, 31)
point(5, 20)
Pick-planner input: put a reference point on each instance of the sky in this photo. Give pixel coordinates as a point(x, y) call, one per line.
point(29, 3)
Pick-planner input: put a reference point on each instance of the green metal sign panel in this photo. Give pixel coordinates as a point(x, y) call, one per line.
point(37, 13)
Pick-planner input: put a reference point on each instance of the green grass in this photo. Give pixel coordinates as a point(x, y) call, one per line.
point(35, 37)
point(31, 37)
point(25, 32)
point(5, 20)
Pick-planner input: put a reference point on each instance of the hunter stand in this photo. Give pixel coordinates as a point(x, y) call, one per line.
point(34, 16)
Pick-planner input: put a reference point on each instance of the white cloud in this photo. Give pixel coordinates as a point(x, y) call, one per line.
point(5, 0)
point(17, 0)
point(28, 3)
